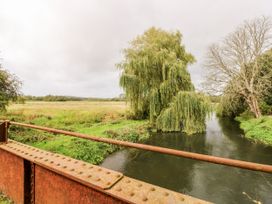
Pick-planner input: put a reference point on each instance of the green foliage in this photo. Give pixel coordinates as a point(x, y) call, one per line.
point(155, 61)
point(154, 73)
point(9, 88)
point(186, 113)
point(266, 108)
point(28, 136)
point(246, 115)
point(266, 63)
point(4, 199)
point(215, 98)
point(20, 100)
point(231, 105)
point(130, 133)
point(257, 129)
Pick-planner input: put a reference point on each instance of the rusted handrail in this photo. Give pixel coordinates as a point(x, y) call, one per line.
point(179, 153)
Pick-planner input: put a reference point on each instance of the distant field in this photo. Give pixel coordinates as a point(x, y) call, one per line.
point(106, 119)
point(67, 112)
point(53, 108)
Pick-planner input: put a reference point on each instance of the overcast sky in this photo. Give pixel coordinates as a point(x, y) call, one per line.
point(70, 47)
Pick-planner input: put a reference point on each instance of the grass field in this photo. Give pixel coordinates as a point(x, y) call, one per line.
point(106, 119)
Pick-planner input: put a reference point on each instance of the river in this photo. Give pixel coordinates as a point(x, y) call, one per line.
point(211, 182)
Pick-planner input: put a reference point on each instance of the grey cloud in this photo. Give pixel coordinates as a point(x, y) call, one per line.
point(71, 47)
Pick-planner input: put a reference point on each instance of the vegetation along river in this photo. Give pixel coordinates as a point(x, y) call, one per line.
point(216, 183)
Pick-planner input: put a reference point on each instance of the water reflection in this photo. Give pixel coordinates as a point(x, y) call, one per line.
point(211, 182)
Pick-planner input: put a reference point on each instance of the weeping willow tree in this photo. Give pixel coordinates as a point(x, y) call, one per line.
point(187, 112)
point(157, 84)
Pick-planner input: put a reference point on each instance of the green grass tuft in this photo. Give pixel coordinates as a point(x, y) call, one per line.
point(4, 199)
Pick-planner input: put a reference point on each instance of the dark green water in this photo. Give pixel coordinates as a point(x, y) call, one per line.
point(216, 183)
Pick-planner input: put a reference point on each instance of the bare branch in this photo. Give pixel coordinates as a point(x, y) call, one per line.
point(233, 66)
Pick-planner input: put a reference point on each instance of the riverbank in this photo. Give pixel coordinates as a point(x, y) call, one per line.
point(257, 129)
point(103, 119)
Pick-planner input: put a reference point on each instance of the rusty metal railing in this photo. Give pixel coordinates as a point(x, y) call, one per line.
point(23, 170)
point(196, 156)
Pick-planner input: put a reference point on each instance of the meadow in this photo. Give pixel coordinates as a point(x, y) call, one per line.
point(97, 118)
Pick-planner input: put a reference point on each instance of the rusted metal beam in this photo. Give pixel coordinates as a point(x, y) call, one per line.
point(83, 172)
point(4, 131)
point(60, 179)
point(179, 153)
point(136, 191)
point(58, 189)
point(12, 175)
point(29, 182)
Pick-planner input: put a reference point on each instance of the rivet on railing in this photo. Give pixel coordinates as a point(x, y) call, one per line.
point(144, 199)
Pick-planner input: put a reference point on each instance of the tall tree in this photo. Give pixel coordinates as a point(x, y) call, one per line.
point(9, 88)
point(233, 65)
point(154, 72)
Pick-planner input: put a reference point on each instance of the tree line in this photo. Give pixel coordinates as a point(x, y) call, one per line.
point(67, 98)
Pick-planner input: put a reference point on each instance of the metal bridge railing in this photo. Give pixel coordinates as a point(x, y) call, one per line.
point(196, 156)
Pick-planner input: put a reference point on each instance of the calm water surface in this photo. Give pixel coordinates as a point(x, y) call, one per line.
point(216, 183)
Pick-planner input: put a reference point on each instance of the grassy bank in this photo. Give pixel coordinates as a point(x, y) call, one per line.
point(4, 199)
point(104, 119)
point(258, 130)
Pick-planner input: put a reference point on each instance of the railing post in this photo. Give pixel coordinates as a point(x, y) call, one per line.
point(4, 131)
